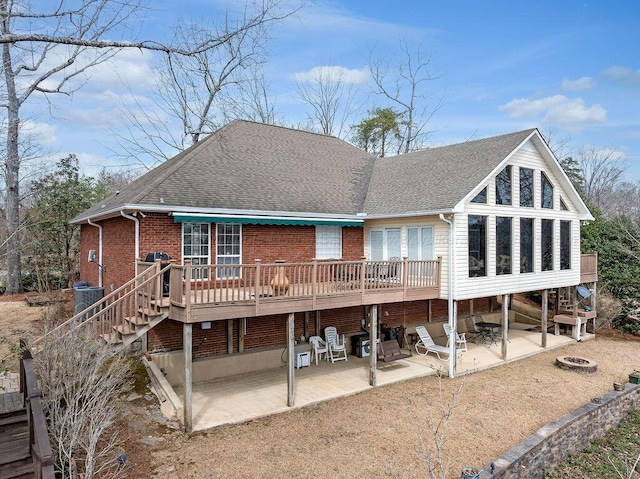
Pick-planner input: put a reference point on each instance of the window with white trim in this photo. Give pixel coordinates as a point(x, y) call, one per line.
point(195, 246)
point(328, 242)
point(420, 242)
point(228, 249)
point(385, 244)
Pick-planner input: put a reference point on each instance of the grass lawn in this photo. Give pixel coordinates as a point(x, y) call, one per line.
point(614, 456)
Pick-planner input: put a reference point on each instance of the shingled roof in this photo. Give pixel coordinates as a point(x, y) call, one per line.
point(254, 167)
point(436, 179)
point(257, 167)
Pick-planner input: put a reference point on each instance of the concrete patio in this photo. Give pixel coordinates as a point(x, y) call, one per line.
point(242, 398)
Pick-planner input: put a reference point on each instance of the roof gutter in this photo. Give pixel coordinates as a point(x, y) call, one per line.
point(137, 233)
point(452, 321)
point(107, 213)
point(408, 214)
point(100, 268)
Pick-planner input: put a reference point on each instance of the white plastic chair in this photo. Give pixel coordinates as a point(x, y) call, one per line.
point(461, 340)
point(426, 344)
point(318, 348)
point(337, 348)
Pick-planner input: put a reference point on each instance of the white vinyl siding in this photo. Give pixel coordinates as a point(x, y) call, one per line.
point(328, 242)
point(466, 287)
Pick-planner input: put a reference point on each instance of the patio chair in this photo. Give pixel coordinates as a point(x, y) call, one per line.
point(318, 348)
point(425, 344)
point(337, 348)
point(461, 340)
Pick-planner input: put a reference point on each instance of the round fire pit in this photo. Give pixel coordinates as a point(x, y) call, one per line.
point(576, 363)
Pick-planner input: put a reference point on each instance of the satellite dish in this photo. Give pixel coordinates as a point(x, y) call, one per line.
point(583, 291)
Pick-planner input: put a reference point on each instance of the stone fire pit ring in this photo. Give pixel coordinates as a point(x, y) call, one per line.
point(576, 363)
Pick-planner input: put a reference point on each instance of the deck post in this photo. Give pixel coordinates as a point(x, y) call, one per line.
point(188, 391)
point(594, 305)
point(229, 336)
point(242, 330)
point(258, 286)
point(305, 326)
point(317, 323)
point(373, 345)
point(505, 325)
point(363, 275)
point(405, 276)
point(471, 308)
point(545, 316)
point(290, 360)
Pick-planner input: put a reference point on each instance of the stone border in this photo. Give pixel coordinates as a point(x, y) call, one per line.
point(579, 364)
point(571, 433)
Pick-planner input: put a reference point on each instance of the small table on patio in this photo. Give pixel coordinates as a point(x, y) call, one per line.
point(487, 332)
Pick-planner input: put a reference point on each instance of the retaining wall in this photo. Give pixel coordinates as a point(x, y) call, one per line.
point(556, 441)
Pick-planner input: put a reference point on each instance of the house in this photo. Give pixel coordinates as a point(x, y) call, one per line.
point(433, 234)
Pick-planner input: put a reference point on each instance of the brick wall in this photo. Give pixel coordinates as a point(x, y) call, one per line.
point(159, 233)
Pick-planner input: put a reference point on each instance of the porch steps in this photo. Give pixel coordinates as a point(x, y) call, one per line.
point(134, 327)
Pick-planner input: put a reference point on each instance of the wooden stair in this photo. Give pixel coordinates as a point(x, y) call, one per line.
point(15, 457)
point(133, 327)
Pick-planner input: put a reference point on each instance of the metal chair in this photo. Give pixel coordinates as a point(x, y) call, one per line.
point(337, 348)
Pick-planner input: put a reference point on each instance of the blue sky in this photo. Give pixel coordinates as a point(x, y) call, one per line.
point(571, 67)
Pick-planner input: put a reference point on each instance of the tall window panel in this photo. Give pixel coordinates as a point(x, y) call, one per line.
point(195, 247)
point(477, 245)
point(547, 191)
point(526, 187)
point(526, 245)
point(503, 187)
point(228, 248)
point(385, 244)
point(565, 244)
point(328, 242)
point(503, 245)
point(547, 245)
point(420, 243)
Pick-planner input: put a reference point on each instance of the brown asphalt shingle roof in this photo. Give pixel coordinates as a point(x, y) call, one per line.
point(435, 179)
point(252, 166)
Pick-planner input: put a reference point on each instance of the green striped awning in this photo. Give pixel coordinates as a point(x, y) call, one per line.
point(264, 220)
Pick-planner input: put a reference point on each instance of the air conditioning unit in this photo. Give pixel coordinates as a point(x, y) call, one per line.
point(86, 297)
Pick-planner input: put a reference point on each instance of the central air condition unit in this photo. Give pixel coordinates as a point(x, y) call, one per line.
point(86, 297)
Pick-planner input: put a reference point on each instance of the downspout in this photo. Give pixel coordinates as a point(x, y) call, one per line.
point(452, 321)
point(137, 234)
point(99, 251)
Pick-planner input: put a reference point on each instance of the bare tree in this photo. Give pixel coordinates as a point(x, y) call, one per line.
point(81, 380)
point(602, 172)
point(251, 98)
point(331, 96)
point(403, 81)
point(49, 47)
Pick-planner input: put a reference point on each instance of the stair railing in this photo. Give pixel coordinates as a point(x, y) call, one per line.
point(136, 298)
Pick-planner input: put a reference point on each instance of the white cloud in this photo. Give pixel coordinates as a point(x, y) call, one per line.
point(42, 133)
point(623, 75)
point(583, 83)
point(333, 73)
point(557, 109)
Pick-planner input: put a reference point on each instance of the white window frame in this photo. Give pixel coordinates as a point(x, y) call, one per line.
point(421, 230)
point(233, 255)
point(199, 273)
point(385, 243)
point(328, 242)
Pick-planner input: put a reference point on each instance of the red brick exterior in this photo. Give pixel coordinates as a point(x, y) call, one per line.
point(159, 233)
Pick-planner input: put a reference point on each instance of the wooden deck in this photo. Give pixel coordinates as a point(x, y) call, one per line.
point(212, 292)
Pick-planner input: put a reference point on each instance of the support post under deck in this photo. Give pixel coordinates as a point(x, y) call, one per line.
point(290, 359)
point(188, 377)
point(373, 344)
